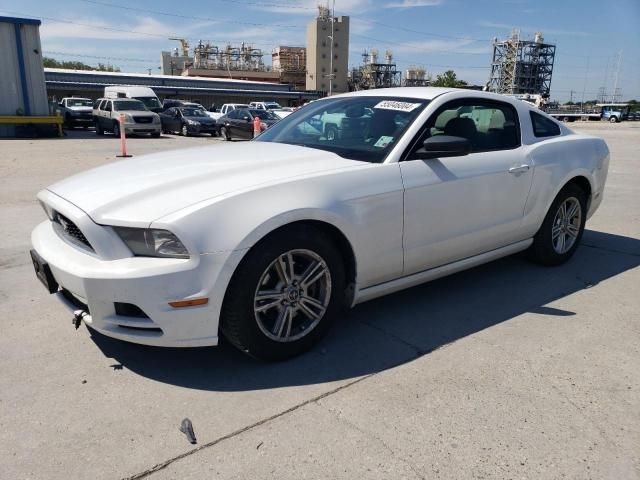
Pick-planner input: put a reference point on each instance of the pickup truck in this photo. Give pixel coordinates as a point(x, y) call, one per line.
point(76, 112)
point(225, 109)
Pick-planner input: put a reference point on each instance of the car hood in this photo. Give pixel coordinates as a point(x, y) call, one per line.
point(207, 119)
point(137, 113)
point(81, 109)
point(138, 191)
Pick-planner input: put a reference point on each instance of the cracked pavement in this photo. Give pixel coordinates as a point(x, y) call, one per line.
point(509, 370)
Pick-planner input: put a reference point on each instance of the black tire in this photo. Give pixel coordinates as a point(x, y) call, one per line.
point(542, 251)
point(331, 132)
point(116, 129)
point(613, 119)
point(239, 322)
point(155, 135)
point(224, 133)
point(99, 130)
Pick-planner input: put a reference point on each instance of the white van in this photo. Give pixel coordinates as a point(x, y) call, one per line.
point(144, 94)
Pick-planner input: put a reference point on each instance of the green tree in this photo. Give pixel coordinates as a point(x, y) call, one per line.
point(448, 79)
point(72, 65)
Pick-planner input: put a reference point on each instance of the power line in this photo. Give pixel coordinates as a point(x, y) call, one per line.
point(98, 57)
point(188, 17)
point(416, 47)
point(404, 29)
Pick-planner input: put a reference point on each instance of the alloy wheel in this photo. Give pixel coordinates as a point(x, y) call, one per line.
point(566, 225)
point(292, 296)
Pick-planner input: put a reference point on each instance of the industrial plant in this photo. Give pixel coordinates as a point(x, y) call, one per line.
point(375, 74)
point(522, 66)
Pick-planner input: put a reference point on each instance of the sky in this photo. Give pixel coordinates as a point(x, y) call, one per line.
point(592, 37)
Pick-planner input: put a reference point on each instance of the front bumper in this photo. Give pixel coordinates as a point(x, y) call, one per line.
point(142, 128)
point(148, 283)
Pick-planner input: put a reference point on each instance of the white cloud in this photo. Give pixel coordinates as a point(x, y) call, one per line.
point(413, 3)
point(441, 46)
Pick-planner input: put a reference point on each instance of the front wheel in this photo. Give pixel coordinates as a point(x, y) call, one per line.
point(561, 231)
point(284, 295)
point(613, 119)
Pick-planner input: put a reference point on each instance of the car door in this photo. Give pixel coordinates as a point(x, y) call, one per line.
point(166, 118)
point(458, 207)
point(230, 122)
point(245, 124)
point(105, 116)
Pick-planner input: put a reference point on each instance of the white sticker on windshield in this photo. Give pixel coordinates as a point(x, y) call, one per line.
point(383, 142)
point(400, 106)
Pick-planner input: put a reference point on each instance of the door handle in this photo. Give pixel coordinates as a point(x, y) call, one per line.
point(520, 169)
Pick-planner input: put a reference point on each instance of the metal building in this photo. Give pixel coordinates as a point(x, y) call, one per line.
point(291, 64)
point(66, 83)
point(522, 66)
point(22, 85)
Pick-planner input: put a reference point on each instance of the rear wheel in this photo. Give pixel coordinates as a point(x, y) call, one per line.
point(613, 119)
point(224, 133)
point(284, 295)
point(562, 229)
point(331, 132)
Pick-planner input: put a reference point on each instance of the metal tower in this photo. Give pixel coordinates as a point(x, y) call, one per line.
point(522, 66)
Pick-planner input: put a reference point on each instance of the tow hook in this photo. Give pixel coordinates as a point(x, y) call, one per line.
point(78, 316)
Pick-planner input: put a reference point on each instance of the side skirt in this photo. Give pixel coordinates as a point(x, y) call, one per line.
point(375, 291)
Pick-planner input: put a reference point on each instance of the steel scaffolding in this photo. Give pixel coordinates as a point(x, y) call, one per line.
point(522, 66)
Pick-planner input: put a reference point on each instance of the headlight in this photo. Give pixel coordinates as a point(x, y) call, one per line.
point(128, 118)
point(152, 242)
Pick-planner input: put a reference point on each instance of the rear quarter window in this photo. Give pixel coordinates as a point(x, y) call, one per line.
point(543, 127)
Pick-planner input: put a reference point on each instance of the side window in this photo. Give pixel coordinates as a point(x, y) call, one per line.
point(487, 125)
point(96, 104)
point(244, 115)
point(108, 107)
point(543, 127)
point(233, 114)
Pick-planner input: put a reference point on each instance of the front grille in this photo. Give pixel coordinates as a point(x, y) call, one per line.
point(143, 119)
point(71, 230)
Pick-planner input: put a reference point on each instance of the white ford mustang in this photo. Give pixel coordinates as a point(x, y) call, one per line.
point(349, 198)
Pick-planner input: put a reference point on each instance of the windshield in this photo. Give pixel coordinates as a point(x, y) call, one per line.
point(193, 112)
point(79, 102)
point(123, 105)
point(150, 102)
point(264, 115)
point(358, 128)
point(272, 106)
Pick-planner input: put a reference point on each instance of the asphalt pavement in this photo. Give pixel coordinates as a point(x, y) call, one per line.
point(509, 370)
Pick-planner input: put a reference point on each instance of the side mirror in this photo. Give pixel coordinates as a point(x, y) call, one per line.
point(61, 104)
point(443, 146)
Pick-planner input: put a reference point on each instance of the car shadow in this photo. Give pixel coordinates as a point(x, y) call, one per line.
point(395, 329)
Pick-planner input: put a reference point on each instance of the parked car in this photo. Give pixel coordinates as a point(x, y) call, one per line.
point(187, 121)
point(239, 123)
point(265, 105)
point(145, 94)
point(265, 241)
point(226, 109)
point(77, 112)
point(138, 120)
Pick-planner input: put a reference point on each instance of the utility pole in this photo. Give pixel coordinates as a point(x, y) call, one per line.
point(571, 96)
point(615, 83)
point(331, 75)
point(584, 85)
